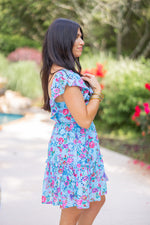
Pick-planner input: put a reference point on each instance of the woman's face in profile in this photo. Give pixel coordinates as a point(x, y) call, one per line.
point(78, 45)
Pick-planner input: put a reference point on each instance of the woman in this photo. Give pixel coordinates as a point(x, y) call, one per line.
point(74, 176)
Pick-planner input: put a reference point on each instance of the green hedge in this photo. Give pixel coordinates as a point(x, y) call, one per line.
point(10, 43)
point(124, 88)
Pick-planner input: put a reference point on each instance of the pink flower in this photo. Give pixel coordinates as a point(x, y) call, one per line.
point(82, 131)
point(25, 53)
point(92, 144)
point(79, 202)
point(61, 140)
point(142, 164)
point(136, 114)
point(135, 161)
point(43, 199)
point(137, 109)
point(146, 104)
point(75, 141)
point(68, 118)
point(84, 197)
point(60, 171)
point(147, 86)
point(64, 203)
point(65, 111)
point(56, 90)
point(69, 160)
point(148, 167)
point(78, 165)
point(146, 108)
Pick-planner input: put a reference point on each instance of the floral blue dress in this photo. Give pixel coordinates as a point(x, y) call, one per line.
point(74, 173)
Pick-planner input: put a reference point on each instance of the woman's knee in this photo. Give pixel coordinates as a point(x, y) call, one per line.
point(70, 215)
point(103, 199)
point(96, 205)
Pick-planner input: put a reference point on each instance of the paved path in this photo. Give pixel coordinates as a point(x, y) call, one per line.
point(23, 151)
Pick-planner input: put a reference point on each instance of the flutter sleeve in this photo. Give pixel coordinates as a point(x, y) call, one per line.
point(60, 81)
point(64, 78)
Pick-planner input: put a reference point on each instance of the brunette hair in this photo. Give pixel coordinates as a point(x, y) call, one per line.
point(57, 49)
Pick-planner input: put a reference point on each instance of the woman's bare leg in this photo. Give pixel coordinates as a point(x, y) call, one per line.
point(88, 215)
point(70, 216)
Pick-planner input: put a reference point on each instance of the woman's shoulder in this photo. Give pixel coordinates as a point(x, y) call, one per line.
point(66, 74)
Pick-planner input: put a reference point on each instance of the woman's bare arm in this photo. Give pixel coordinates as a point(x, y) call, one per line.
point(82, 113)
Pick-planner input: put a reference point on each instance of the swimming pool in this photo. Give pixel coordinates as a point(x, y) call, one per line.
point(5, 117)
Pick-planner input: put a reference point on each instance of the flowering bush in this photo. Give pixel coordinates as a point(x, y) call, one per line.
point(98, 71)
point(25, 53)
point(141, 115)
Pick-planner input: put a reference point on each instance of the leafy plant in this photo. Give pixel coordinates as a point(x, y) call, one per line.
point(141, 115)
point(9, 43)
point(23, 54)
point(22, 76)
point(123, 88)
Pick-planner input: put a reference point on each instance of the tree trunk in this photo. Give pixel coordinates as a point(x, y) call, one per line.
point(141, 43)
point(119, 44)
point(146, 51)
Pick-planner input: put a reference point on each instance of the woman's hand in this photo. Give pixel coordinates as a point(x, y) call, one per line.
point(91, 79)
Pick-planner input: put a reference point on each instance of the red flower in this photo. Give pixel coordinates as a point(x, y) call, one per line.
point(147, 86)
point(146, 105)
point(100, 72)
point(137, 114)
point(146, 108)
point(102, 86)
point(143, 133)
point(137, 109)
point(133, 118)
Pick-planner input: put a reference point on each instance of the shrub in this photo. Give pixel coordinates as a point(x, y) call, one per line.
point(141, 115)
point(123, 88)
point(23, 54)
point(22, 76)
point(9, 43)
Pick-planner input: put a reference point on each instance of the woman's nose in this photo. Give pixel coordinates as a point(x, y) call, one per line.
point(82, 42)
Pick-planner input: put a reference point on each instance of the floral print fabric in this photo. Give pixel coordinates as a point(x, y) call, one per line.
point(74, 173)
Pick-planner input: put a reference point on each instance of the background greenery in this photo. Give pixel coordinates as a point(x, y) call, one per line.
point(22, 76)
point(120, 26)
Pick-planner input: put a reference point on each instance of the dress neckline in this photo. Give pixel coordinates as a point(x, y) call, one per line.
point(56, 71)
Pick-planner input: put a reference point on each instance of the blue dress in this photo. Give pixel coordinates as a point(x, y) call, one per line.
point(74, 173)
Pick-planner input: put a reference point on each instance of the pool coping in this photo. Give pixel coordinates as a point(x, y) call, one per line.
point(25, 116)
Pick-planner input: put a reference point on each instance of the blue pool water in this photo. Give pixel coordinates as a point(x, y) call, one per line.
point(4, 117)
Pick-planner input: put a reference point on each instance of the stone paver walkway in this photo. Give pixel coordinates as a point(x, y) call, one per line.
point(23, 151)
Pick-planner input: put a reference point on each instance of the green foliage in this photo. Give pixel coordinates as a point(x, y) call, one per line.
point(124, 87)
point(122, 26)
point(22, 76)
point(10, 43)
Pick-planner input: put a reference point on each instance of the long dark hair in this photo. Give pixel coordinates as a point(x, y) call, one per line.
point(57, 49)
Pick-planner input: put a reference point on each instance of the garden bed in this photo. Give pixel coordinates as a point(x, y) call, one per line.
point(137, 149)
